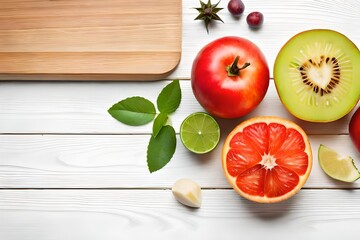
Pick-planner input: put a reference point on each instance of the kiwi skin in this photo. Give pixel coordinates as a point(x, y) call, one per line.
point(350, 100)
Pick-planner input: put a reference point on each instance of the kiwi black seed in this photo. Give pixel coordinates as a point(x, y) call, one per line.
point(333, 80)
point(317, 76)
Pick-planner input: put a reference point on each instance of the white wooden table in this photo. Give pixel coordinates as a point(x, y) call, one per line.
point(70, 171)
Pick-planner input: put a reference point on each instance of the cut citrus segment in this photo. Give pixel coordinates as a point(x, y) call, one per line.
point(199, 132)
point(267, 159)
point(337, 167)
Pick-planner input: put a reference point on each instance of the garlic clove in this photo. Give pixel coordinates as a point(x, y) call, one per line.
point(187, 192)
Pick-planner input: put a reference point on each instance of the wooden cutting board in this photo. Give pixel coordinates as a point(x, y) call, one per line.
point(89, 39)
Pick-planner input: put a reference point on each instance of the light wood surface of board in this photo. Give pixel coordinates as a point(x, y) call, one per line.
point(89, 40)
point(68, 170)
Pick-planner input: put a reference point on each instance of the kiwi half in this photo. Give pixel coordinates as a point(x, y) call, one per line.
point(317, 75)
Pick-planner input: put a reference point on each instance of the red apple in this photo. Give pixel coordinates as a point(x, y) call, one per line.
point(230, 77)
point(354, 129)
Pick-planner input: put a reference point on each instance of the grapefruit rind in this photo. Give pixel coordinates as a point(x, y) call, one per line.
point(268, 120)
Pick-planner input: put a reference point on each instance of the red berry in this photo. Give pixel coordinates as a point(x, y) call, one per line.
point(255, 19)
point(236, 7)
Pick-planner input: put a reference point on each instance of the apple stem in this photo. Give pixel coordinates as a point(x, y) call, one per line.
point(233, 70)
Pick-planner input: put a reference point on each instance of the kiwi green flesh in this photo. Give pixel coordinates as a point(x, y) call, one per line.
point(317, 75)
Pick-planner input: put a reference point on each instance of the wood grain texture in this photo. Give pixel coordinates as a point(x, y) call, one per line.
point(89, 40)
point(88, 65)
point(283, 19)
point(63, 107)
point(119, 161)
point(59, 135)
point(155, 214)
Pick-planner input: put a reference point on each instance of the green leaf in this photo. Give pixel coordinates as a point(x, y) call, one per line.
point(134, 111)
point(159, 122)
point(169, 98)
point(161, 149)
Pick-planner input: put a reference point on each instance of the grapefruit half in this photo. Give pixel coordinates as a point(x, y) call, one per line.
point(267, 159)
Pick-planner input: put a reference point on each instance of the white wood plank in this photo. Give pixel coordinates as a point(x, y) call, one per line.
point(40, 107)
point(118, 161)
point(283, 19)
point(50, 161)
point(155, 214)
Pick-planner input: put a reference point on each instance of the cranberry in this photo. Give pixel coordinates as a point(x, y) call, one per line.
point(255, 19)
point(236, 7)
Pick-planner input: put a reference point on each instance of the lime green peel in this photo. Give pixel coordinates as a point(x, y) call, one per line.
point(337, 167)
point(200, 133)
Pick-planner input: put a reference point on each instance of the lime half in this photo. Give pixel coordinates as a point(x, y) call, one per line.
point(199, 132)
point(337, 167)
